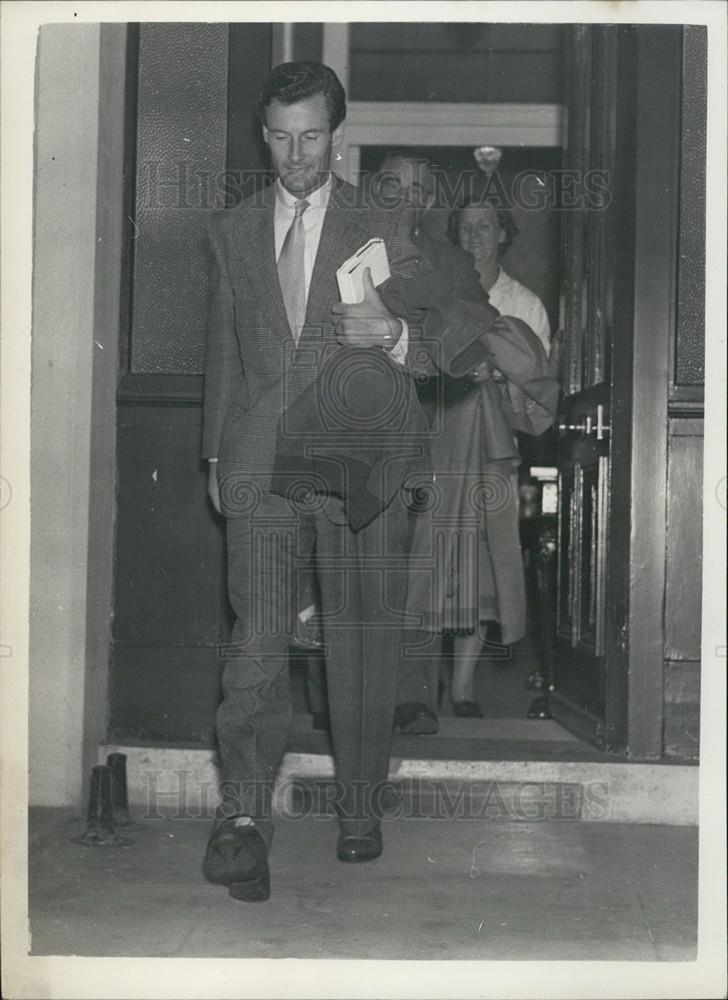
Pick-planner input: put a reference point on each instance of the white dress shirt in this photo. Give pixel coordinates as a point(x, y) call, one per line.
point(313, 220)
point(511, 298)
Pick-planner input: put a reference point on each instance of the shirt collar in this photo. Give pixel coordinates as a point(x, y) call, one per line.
point(317, 199)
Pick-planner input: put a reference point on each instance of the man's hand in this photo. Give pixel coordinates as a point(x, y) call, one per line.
point(213, 487)
point(367, 323)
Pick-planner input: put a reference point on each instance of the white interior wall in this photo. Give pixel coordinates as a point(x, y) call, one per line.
point(64, 340)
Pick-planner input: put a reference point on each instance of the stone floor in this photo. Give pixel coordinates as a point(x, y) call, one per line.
point(443, 889)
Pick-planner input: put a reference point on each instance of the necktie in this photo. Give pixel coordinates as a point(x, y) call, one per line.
point(291, 271)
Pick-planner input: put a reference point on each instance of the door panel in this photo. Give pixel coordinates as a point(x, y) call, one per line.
point(584, 465)
point(625, 89)
point(598, 131)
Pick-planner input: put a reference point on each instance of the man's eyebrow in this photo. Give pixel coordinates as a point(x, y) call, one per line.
point(284, 132)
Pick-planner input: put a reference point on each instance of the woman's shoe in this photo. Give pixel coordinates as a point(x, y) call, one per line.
point(466, 709)
point(414, 718)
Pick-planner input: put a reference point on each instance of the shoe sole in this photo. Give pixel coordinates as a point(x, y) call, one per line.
point(420, 728)
point(253, 890)
point(246, 877)
point(367, 849)
point(349, 859)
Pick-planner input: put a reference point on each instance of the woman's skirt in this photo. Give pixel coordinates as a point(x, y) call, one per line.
point(466, 564)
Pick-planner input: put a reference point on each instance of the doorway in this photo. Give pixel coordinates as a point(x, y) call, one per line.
point(621, 678)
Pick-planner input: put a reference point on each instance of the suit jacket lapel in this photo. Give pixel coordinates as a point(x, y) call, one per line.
point(344, 230)
point(257, 249)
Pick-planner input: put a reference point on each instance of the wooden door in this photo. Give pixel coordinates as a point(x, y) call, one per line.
point(625, 96)
point(588, 691)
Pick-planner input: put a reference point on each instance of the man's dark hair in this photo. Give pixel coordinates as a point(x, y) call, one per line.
point(291, 82)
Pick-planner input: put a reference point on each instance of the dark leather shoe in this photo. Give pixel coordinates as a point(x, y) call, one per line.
point(467, 709)
point(414, 718)
point(365, 847)
point(237, 856)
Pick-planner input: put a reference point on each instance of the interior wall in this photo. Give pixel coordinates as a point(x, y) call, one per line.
point(62, 363)
point(74, 366)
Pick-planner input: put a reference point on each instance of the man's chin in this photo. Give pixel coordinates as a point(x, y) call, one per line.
point(302, 184)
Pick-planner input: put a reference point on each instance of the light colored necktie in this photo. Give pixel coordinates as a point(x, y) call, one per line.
point(291, 271)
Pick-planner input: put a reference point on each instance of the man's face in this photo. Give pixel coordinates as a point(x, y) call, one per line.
point(408, 179)
point(479, 232)
point(300, 141)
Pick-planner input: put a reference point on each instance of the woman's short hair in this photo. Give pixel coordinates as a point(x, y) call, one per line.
point(505, 219)
point(291, 82)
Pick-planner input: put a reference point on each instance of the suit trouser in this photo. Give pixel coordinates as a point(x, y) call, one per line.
point(418, 674)
point(363, 581)
point(419, 669)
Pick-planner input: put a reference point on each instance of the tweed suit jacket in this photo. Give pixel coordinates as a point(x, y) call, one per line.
point(254, 369)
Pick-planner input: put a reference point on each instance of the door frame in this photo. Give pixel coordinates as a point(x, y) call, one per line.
point(657, 162)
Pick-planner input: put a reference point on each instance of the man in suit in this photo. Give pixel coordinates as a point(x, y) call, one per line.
point(271, 328)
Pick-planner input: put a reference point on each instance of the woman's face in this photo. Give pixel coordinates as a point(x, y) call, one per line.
point(479, 232)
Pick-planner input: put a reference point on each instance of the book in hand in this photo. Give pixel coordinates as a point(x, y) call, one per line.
point(350, 275)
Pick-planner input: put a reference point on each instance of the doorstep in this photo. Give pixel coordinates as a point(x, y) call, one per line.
point(183, 782)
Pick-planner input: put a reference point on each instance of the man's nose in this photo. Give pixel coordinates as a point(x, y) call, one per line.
point(295, 151)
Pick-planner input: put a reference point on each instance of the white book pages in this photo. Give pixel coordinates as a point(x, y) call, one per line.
point(350, 276)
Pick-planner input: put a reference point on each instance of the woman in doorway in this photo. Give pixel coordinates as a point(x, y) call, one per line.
point(467, 569)
point(486, 231)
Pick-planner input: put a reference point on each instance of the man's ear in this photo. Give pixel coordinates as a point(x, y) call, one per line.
point(266, 136)
point(337, 135)
point(501, 236)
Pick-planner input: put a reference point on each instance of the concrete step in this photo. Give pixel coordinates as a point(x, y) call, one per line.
point(183, 782)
